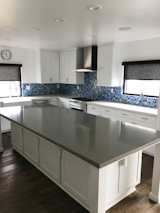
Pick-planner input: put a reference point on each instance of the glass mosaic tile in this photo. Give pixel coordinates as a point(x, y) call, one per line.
point(89, 89)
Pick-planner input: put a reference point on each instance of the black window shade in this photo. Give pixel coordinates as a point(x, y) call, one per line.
point(10, 72)
point(142, 70)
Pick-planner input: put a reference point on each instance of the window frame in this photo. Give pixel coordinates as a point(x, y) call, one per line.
point(135, 63)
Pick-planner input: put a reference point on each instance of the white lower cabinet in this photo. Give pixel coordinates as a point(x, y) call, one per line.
point(54, 101)
point(125, 116)
point(31, 146)
point(6, 125)
point(50, 159)
point(75, 176)
point(17, 137)
point(63, 102)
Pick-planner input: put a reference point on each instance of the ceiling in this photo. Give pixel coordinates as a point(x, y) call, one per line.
point(19, 18)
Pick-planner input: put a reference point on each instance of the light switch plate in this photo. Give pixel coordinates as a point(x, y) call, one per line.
point(77, 87)
point(57, 86)
point(111, 90)
point(28, 87)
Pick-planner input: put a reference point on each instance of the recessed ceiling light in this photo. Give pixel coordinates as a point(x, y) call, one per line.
point(124, 28)
point(94, 7)
point(37, 29)
point(93, 36)
point(60, 19)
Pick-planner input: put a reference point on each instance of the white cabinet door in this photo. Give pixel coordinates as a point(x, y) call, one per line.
point(109, 72)
point(6, 125)
point(75, 176)
point(104, 65)
point(17, 137)
point(71, 67)
point(31, 146)
point(45, 66)
point(54, 72)
point(68, 63)
point(64, 67)
point(129, 172)
point(50, 159)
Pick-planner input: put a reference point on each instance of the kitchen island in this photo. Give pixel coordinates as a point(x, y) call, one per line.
point(95, 160)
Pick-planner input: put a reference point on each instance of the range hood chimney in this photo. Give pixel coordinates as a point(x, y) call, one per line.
point(89, 60)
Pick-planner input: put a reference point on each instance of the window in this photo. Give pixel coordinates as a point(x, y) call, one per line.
point(142, 78)
point(10, 80)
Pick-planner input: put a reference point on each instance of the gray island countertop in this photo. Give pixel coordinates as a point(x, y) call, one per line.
point(99, 141)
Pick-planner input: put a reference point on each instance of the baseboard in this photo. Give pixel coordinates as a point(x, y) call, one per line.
point(153, 197)
point(1, 149)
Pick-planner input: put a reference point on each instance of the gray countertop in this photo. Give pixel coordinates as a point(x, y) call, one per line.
point(99, 141)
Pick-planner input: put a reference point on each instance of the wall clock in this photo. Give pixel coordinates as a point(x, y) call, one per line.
point(6, 54)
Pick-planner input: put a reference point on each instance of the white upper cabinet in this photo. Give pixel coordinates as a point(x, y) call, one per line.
point(68, 62)
point(47, 66)
point(109, 70)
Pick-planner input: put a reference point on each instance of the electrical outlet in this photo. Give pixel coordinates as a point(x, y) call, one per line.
point(77, 87)
point(28, 87)
point(57, 86)
point(111, 90)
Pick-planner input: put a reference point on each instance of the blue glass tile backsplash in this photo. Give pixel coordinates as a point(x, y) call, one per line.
point(89, 89)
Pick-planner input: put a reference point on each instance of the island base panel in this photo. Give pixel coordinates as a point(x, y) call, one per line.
point(1, 147)
point(155, 191)
point(102, 188)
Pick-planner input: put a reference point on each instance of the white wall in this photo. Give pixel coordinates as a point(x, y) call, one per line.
point(148, 49)
point(23, 56)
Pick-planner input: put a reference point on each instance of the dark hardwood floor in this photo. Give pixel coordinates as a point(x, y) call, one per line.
point(23, 189)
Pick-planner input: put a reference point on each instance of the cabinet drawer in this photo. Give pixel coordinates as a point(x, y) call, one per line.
point(112, 117)
point(125, 114)
point(93, 112)
point(94, 108)
point(145, 118)
point(149, 125)
point(108, 111)
point(125, 120)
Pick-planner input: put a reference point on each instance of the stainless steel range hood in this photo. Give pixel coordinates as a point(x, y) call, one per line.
point(89, 60)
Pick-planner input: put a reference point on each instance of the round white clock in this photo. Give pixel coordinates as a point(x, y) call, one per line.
point(6, 54)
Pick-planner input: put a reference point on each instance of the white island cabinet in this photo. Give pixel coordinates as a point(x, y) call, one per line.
point(50, 156)
point(31, 146)
point(77, 177)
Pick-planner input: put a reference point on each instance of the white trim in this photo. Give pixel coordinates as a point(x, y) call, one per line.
point(154, 197)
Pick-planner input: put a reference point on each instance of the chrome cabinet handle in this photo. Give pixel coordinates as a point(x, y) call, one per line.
point(124, 114)
point(145, 118)
point(107, 110)
point(92, 107)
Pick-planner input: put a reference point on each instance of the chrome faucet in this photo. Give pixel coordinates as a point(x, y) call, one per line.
point(10, 87)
